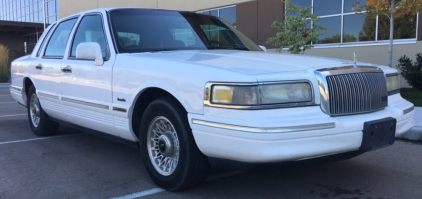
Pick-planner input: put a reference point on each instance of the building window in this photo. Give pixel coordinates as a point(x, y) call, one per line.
point(228, 14)
point(29, 42)
point(29, 10)
point(345, 26)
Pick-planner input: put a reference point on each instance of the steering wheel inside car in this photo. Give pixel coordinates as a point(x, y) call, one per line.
point(215, 42)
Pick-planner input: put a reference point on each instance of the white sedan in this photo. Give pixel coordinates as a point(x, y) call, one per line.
point(188, 89)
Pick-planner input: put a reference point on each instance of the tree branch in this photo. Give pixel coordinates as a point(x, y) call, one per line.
point(386, 15)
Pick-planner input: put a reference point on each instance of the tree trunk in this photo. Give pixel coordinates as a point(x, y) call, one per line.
point(390, 50)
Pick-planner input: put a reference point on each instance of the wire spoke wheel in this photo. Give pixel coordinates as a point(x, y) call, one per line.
point(34, 110)
point(163, 145)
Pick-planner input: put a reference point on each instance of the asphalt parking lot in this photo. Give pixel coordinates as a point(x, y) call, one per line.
point(74, 164)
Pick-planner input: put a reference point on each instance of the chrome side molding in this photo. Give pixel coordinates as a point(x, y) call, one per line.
point(248, 129)
point(15, 88)
point(85, 103)
point(42, 94)
point(120, 109)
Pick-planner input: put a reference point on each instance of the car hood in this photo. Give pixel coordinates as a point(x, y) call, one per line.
point(247, 62)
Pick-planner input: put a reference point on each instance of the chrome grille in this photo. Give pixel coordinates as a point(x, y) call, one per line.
point(356, 93)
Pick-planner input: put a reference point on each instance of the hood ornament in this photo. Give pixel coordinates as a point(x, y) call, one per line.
point(355, 58)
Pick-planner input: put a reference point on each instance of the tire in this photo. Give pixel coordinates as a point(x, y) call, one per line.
point(191, 166)
point(39, 121)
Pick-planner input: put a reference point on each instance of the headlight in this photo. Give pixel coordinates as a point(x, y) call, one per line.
point(265, 94)
point(393, 85)
point(285, 93)
point(235, 95)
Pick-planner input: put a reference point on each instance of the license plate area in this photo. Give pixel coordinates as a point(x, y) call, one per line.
point(378, 134)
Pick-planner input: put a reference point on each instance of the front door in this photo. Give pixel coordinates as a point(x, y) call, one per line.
point(85, 87)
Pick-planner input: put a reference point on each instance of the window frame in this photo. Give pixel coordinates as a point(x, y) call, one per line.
point(108, 54)
point(40, 48)
point(55, 28)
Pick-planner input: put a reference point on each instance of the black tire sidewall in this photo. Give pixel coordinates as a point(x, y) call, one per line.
point(161, 107)
point(42, 128)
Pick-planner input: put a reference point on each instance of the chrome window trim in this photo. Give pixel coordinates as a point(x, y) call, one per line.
point(408, 110)
point(248, 129)
point(48, 95)
point(85, 103)
point(394, 91)
point(321, 75)
point(77, 24)
point(209, 85)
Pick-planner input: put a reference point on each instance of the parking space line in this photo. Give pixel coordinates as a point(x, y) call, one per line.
point(34, 139)
point(141, 194)
point(12, 115)
point(159, 190)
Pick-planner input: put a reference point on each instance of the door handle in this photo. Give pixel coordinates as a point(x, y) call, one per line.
point(38, 67)
point(67, 69)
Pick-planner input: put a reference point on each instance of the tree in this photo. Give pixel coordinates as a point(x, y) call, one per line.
point(296, 31)
point(392, 9)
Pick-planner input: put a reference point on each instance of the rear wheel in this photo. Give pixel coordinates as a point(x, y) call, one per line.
point(168, 148)
point(39, 121)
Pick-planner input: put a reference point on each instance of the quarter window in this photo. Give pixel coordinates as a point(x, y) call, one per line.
point(44, 40)
point(90, 30)
point(57, 44)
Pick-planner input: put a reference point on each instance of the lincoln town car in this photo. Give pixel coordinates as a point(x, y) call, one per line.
point(188, 89)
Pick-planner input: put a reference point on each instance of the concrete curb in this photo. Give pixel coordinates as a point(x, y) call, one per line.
point(414, 134)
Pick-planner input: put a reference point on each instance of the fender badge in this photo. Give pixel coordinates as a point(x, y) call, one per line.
point(121, 99)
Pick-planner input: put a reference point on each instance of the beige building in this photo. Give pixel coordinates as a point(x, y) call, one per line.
point(346, 32)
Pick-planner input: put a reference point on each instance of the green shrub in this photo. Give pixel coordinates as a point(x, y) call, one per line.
point(412, 71)
point(4, 60)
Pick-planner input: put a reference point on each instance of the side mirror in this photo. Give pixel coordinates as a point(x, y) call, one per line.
point(263, 48)
point(90, 50)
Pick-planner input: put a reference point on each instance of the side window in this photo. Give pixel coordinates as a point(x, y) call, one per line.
point(219, 35)
point(90, 30)
point(57, 44)
point(44, 40)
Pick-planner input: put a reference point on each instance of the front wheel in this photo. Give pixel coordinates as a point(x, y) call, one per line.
point(39, 121)
point(168, 148)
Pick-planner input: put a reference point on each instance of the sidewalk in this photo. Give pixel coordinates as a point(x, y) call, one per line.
point(415, 133)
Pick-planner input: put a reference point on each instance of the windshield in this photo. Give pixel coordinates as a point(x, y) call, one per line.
point(142, 30)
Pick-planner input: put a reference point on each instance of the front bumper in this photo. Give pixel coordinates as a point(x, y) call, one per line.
point(289, 145)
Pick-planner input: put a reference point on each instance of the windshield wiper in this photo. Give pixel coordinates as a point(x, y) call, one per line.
point(164, 49)
point(228, 48)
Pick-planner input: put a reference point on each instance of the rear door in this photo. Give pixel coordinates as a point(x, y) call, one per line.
point(85, 87)
point(49, 64)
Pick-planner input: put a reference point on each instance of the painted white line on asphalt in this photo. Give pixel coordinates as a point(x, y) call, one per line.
point(141, 194)
point(34, 139)
point(12, 115)
point(159, 190)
